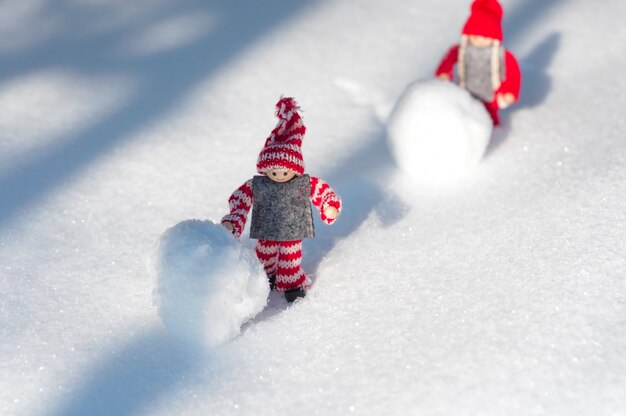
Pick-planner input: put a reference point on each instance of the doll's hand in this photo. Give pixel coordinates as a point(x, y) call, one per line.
point(228, 225)
point(331, 212)
point(505, 100)
point(444, 77)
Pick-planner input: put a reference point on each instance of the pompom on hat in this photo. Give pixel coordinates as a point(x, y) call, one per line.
point(485, 20)
point(283, 148)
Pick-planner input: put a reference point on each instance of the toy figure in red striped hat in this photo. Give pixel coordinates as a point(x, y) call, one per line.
point(484, 68)
point(280, 199)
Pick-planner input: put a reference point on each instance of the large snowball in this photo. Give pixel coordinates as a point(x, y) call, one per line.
point(208, 283)
point(438, 132)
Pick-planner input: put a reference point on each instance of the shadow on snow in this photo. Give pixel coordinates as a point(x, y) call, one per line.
point(130, 380)
point(150, 365)
point(164, 77)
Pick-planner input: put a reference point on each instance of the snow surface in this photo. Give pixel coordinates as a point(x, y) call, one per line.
point(207, 283)
point(504, 294)
point(438, 132)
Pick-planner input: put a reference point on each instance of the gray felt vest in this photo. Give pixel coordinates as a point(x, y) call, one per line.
point(479, 71)
point(281, 211)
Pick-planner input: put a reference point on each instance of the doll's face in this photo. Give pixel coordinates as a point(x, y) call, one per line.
point(280, 175)
point(480, 41)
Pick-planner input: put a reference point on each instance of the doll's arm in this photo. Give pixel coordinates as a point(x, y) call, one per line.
point(325, 200)
point(240, 203)
point(510, 88)
point(446, 67)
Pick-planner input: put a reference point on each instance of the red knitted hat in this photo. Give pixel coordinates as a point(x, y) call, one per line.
point(282, 150)
point(485, 20)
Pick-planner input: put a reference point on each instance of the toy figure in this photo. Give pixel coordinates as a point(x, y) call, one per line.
point(281, 199)
point(487, 70)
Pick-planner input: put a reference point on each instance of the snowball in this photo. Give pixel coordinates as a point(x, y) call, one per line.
point(438, 132)
point(208, 283)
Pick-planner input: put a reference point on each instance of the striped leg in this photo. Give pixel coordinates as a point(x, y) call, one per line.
point(289, 274)
point(267, 252)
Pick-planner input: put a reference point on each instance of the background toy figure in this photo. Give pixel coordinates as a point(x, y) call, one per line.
point(487, 70)
point(281, 199)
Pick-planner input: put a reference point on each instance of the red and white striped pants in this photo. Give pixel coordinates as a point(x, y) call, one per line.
point(283, 259)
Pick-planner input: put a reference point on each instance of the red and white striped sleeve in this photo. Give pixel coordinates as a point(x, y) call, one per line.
point(323, 196)
point(240, 203)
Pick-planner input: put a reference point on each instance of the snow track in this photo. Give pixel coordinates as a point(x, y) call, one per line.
point(502, 294)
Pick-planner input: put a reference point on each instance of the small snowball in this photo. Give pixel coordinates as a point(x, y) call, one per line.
point(207, 283)
point(438, 132)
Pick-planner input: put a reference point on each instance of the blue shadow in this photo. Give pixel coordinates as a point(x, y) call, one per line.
point(165, 80)
point(536, 64)
point(524, 16)
point(130, 380)
point(151, 365)
point(535, 81)
point(360, 180)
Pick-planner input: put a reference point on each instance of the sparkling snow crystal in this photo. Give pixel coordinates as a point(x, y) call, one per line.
point(208, 283)
point(438, 132)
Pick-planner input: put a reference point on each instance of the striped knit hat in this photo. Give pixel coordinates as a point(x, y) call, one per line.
point(485, 19)
point(282, 150)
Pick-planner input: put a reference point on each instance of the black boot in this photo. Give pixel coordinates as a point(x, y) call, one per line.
point(295, 293)
point(272, 279)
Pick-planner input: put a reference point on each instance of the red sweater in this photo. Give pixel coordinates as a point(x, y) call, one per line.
point(512, 79)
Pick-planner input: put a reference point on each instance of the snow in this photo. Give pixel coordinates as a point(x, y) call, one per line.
point(438, 132)
point(207, 283)
point(503, 293)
